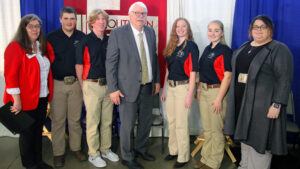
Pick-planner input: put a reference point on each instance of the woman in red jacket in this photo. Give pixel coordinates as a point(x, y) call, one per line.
point(29, 85)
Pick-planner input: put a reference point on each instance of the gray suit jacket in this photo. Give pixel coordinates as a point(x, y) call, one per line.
point(123, 64)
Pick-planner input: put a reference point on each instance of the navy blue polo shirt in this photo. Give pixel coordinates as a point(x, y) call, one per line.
point(214, 62)
point(64, 48)
point(91, 53)
point(183, 61)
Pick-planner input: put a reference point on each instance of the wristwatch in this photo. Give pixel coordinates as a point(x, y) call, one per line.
point(276, 105)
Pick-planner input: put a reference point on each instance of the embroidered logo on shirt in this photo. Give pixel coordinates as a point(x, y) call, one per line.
point(75, 42)
point(211, 55)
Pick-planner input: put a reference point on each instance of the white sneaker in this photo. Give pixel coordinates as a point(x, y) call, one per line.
point(111, 156)
point(97, 161)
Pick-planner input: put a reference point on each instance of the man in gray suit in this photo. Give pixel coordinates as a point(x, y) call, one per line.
point(132, 73)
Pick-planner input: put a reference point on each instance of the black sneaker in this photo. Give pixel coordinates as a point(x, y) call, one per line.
point(179, 165)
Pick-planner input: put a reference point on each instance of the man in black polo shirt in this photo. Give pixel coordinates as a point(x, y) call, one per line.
point(67, 95)
point(90, 69)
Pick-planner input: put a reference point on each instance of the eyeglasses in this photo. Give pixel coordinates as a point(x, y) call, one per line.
point(34, 26)
point(262, 27)
point(140, 13)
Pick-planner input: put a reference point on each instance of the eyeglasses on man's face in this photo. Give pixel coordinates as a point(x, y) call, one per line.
point(262, 27)
point(139, 13)
point(30, 26)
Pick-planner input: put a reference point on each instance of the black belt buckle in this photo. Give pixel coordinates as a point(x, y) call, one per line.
point(102, 81)
point(69, 80)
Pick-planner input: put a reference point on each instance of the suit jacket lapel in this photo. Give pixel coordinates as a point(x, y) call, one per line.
point(257, 62)
point(133, 44)
point(149, 41)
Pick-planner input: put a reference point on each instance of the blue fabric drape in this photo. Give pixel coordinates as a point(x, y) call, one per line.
point(285, 15)
point(47, 10)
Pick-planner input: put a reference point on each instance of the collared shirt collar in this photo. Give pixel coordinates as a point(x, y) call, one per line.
point(62, 33)
point(94, 36)
point(37, 52)
point(135, 31)
point(216, 47)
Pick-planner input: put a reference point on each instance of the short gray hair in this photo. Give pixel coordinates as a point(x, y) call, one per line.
point(139, 4)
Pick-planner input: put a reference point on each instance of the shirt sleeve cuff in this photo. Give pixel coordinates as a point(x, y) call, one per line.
point(13, 91)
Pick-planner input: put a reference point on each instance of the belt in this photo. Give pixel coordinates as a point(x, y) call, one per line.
point(91, 80)
point(146, 84)
point(68, 80)
point(212, 86)
point(173, 83)
point(101, 81)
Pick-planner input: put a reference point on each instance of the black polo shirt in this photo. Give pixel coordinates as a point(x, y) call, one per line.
point(214, 62)
point(183, 61)
point(64, 48)
point(91, 53)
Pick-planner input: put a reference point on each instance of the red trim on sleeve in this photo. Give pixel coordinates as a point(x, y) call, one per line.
point(219, 67)
point(166, 65)
point(86, 63)
point(188, 65)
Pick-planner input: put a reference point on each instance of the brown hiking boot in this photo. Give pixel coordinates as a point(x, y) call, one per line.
point(206, 167)
point(199, 164)
point(80, 155)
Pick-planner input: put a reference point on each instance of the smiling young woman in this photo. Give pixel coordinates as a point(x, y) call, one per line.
point(181, 58)
point(215, 76)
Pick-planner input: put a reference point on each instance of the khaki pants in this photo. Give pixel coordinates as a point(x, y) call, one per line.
point(251, 159)
point(179, 138)
point(99, 113)
point(213, 148)
point(66, 104)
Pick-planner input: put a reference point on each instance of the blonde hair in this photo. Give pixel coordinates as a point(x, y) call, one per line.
point(94, 15)
point(218, 22)
point(172, 43)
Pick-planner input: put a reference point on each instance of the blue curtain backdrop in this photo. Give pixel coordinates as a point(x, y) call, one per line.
point(285, 15)
point(47, 10)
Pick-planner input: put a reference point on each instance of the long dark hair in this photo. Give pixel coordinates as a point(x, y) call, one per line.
point(22, 37)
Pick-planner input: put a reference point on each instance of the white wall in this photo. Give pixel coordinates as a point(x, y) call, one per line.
point(10, 15)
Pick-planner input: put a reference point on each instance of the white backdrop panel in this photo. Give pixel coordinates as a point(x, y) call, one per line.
point(199, 13)
point(10, 14)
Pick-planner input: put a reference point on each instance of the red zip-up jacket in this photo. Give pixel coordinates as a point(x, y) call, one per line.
point(24, 73)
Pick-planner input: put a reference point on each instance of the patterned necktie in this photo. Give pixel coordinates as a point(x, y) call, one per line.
point(143, 60)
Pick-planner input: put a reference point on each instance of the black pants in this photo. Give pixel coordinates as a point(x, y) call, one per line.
point(30, 141)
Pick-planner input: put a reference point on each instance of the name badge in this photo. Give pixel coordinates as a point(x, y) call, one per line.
point(242, 78)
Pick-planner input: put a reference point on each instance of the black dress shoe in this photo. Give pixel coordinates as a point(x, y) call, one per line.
point(146, 156)
point(132, 164)
point(170, 157)
point(32, 167)
point(179, 165)
point(43, 165)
